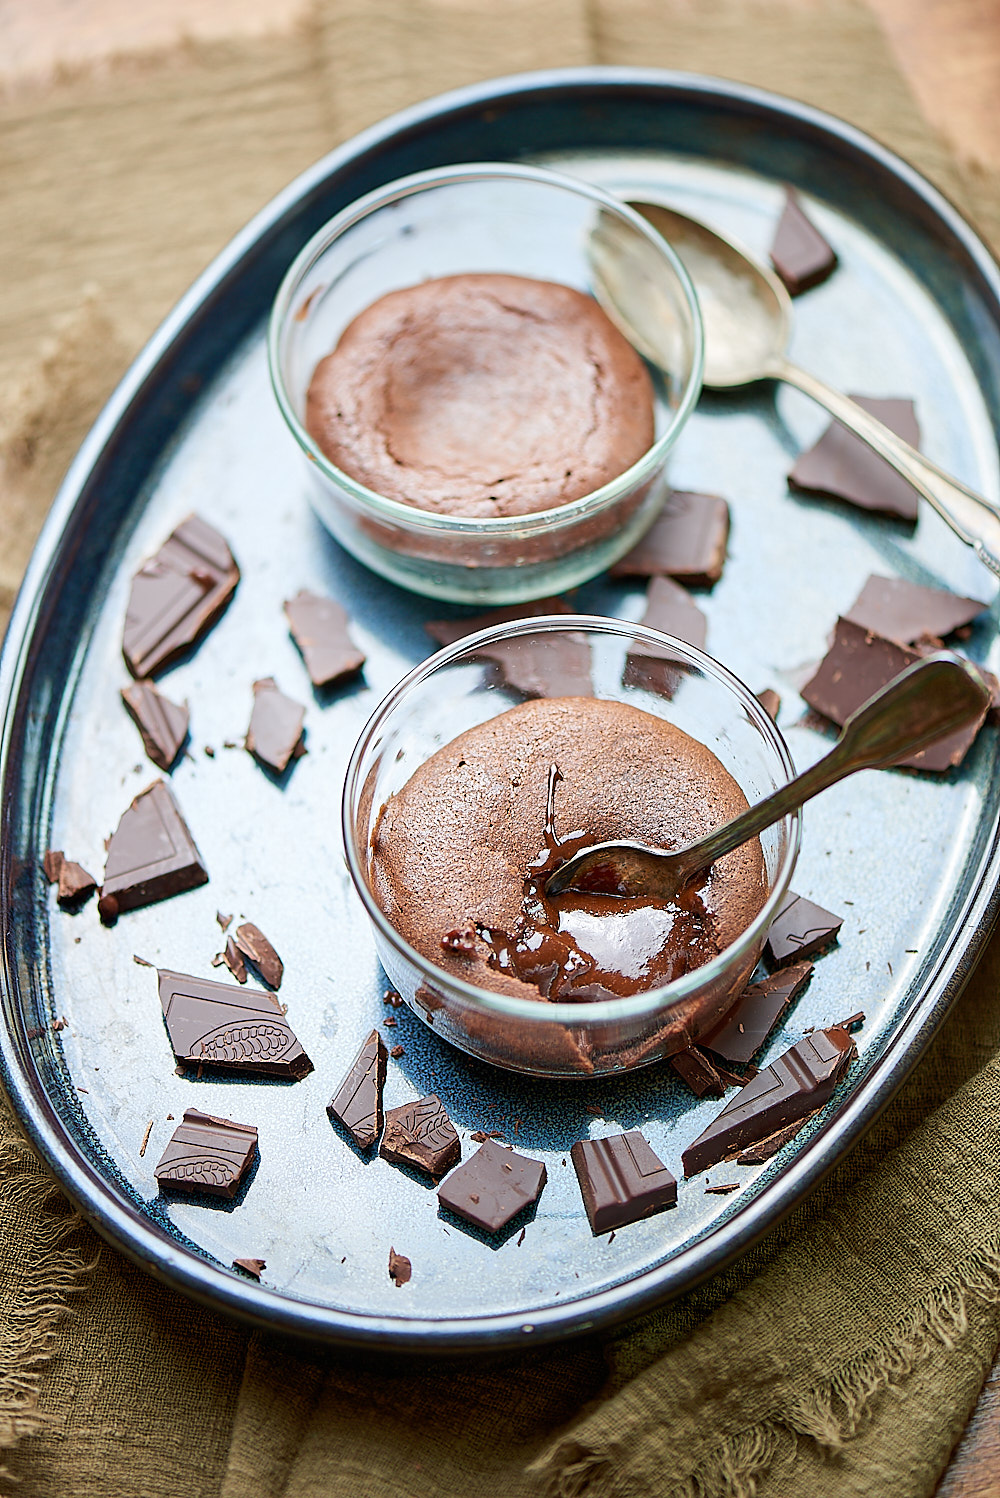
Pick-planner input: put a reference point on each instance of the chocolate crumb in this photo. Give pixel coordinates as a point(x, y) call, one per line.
point(170, 1118)
point(461, 939)
point(107, 907)
point(594, 1109)
point(521, 1237)
point(145, 1137)
point(400, 1268)
point(396, 1052)
point(723, 1189)
point(211, 754)
point(140, 961)
point(57, 1025)
point(253, 1267)
point(390, 1022)
point(255, 946)
point(392, 998)
point(225, 921)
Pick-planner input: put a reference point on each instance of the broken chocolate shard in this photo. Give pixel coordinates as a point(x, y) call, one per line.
point(400, 1268)
point(447, 631)
point(252, 942)
point(621, 1180)
point(52, 862)
point(421, 1135)
point(852, 1022)
point(207, 1154)
point(687, 542)
point(319, 629)
point(841, 466)
point(698, 1072)
point(493, 1187)
point(800, 930)
point(75, 884)
point(275, 733)
point(723, 1188)
point(672, 610)
point(253, 1267)
point(799, 253)
point(905, 612)
point(151, 854)
point(234, 1029)
point(795, 1085)
point(162, 724)
point(177, 596)
point(357, 1103)
point(233, 958)
point(770, 702)
point(756, 1154)
point(756, 1013)
point(860, 663)
point(225, 921)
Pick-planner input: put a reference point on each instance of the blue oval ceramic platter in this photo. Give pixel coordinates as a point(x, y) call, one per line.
point(910, 861)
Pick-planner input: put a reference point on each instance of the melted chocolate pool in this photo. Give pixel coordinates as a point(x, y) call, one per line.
point(595, 943)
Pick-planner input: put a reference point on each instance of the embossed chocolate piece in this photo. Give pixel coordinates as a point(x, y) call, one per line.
point(207, 1154)
point(698, 1072)
point(794, 1086)
point(422, 1135)
point(799, 253)
point(687, 542)
point(490, 1189)
point(800, 930)
point(234, 1029)
point(400, 1268)
point(858, 664)
point(671, 609)
point(151, 855)
point(841, 466)
point(252, 942)
point(904, 612)
point(621, 1180)
point(319, 629)
point(275, 733)
point(756, 1013)
point(177, 596)
point(357, 1103)
point(162, 723)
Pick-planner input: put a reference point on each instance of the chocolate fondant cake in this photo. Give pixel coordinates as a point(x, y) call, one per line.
point(452, 849)
point(482, 396)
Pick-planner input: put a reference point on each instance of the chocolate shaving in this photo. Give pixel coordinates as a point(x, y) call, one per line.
point(698, 1072)
point(252, 942)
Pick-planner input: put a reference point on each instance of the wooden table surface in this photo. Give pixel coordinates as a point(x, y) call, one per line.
point(949, 50)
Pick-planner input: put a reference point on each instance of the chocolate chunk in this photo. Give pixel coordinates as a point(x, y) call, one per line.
point(162, 724)
point(800, 254)
point(400, 1268)
point(357, 1102)
point(253, 1267)
point(769, 701)
point(800, 930)
point(669, 608)
point(756, 1012)
point(396, 1052)
point(841, 466)
point(319, 629)
point(52, 862)
point(904, 612)
point(447, 631)
point(490, 1189)
point(207, 1154)
point(422, 1135)
point(698, 1072)
point(621, 1180)
point(756, 1154)
point(686, 542)
point(795, 1085)
point(857, 665)
point(252, 942)
point(177, 596)
point(234, 1029)
point(275, 732)
point(151, 854)
point(75, 884)
point(233, 958)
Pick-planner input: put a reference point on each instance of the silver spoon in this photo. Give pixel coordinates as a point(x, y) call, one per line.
point(929, 700)
point(746, 313)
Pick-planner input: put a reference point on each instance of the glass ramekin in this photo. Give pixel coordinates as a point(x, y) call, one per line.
point(515, 220)
point(461, 686)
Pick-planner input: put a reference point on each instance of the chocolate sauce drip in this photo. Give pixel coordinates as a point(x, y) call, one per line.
point(596, 943)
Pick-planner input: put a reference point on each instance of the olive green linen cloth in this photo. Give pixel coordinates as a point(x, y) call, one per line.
point(841, 1356)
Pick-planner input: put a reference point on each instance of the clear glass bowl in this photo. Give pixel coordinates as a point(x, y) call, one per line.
point(514, 220)
point(460, 687)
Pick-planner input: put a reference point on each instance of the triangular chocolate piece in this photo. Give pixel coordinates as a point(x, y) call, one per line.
point(903, 611)
point(800, 254)
point(357, 1103)
point(841, 466)
point(798, 1083)
point(163, 724)
point(151, 854)
point(756, 1012)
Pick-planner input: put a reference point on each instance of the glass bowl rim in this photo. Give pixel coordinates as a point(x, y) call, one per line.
point(410, 516)
point(649, 1002)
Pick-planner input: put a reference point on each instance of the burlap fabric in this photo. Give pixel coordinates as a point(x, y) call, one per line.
point(844, 1354)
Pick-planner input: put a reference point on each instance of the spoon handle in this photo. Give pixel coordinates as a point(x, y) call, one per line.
point(974, 519)
point(929, 700)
